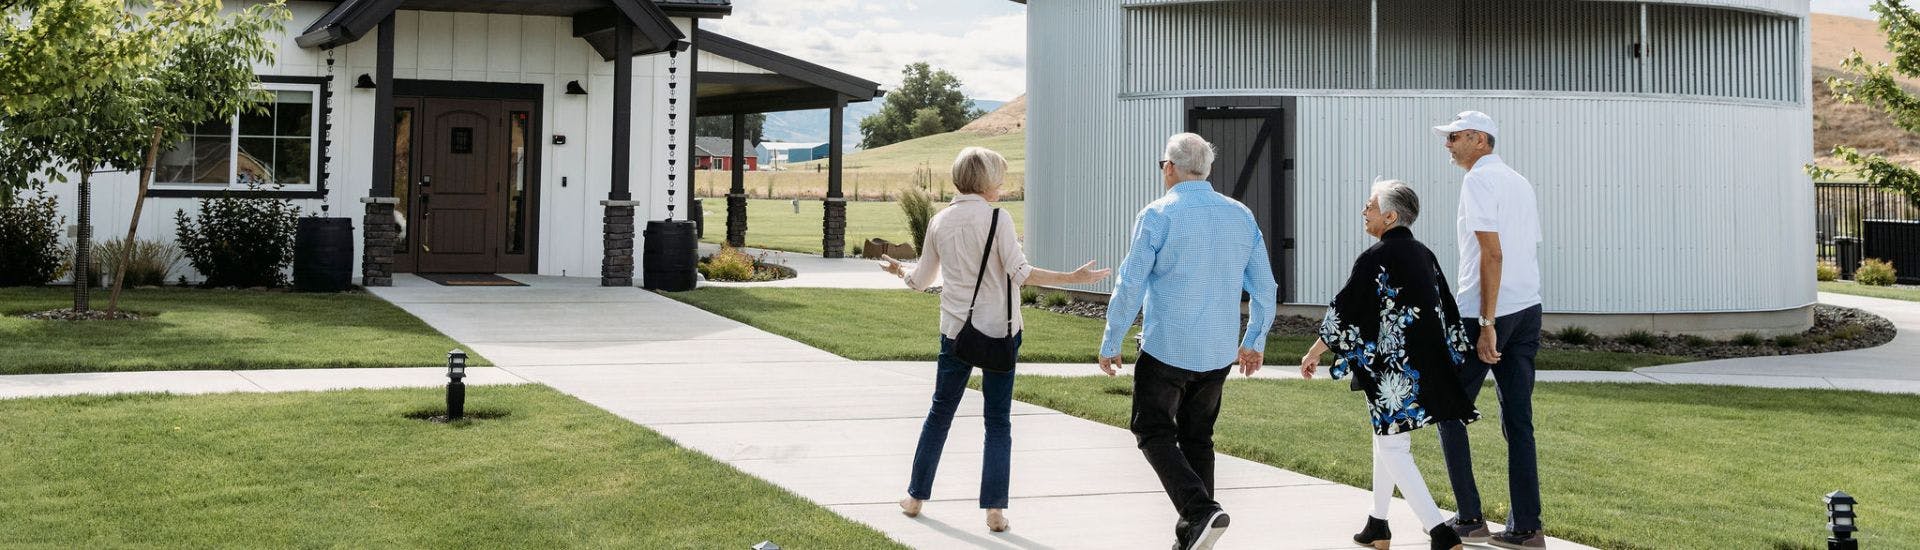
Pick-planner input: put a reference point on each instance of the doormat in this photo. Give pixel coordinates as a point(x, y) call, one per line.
point(469, 279)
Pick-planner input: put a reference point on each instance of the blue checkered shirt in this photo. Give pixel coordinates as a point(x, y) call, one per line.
point(1194, 250)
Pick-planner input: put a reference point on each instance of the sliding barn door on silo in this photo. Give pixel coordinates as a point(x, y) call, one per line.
point(1254, 165)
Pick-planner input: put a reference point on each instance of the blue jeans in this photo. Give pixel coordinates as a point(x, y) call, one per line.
point(949, 384)
point(1519, 337)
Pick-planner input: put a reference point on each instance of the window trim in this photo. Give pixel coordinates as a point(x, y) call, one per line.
point(320, 159)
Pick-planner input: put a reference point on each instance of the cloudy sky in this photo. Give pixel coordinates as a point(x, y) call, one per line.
point(984, 42)
point(981, 41)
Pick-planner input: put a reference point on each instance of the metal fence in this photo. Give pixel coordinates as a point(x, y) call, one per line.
point(1841, 208)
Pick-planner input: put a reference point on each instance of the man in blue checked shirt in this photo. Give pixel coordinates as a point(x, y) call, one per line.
point(1194, 250)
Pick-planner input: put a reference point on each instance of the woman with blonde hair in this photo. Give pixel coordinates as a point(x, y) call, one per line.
point(972, 246)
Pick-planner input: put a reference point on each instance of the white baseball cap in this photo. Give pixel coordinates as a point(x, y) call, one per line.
point(1470, 120)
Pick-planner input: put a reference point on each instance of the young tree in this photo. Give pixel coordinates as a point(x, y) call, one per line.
point(205, 72)
point(722, 127)
point(905, 115)
point(193, 65)
point(1875, 84)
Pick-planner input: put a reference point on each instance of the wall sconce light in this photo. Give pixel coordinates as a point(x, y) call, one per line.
point(573, 88)
point(366, 82)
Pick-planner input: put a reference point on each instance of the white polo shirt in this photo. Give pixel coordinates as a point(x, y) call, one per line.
point(1496, 199)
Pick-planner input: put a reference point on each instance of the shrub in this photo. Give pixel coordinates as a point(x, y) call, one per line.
point(239, 242)
point(729, 264)
point(148, 265)
point(1057, 299)
point(1826, 271)
point(1849, 332)
point(30, 241)
point(1695, 341)
point(918, 206)
point(1787, 340)
point(1575, 335)
point(1029, 295)
point(1640, 337)
point(1749, 339)
point(1874, 272)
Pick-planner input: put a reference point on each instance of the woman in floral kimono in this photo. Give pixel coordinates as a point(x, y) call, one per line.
point(1395, 330)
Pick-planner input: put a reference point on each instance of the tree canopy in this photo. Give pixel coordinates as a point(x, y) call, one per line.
point(928, 102)
point(1876, 84)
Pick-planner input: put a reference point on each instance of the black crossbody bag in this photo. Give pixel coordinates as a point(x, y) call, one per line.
point(975, 347)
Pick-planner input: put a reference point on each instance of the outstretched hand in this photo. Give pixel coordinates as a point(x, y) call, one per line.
point(890, 265)
point(1086, 273)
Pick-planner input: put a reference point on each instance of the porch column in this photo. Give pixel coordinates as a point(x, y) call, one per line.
point(379, 229)
point(616, 263)
point(834, 226)
point(737, 194)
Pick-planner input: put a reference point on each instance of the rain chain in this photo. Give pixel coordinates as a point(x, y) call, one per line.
point(673, 103)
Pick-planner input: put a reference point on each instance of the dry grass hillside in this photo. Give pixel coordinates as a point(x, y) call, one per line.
point(1008, 119)
point(1834, 38)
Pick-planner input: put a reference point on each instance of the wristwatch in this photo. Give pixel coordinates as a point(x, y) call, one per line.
point(1485, 322)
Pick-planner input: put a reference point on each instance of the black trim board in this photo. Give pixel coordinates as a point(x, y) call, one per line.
point(855, 88)
point(350, 20)
point(468, 90)
point(325, 112)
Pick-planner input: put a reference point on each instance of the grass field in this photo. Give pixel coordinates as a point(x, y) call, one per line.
point(1623, 466)
point(188, 329)
point(773, 224)
point(877, 173)
point(903, 325)
point(348, 470)
point(1908, 293)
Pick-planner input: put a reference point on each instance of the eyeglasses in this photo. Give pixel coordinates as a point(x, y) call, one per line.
point(1163, 164)
point(1456, 136)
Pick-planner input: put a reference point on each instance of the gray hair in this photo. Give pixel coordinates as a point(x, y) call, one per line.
point(1397, 198)
point(1191, 155)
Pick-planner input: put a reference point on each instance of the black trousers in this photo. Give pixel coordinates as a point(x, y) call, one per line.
point(1173, 414)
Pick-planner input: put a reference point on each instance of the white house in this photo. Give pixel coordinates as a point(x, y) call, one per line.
point(510, 136)
point(1665, 139)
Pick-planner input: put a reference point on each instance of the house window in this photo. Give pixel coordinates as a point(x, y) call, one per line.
point(276, 147)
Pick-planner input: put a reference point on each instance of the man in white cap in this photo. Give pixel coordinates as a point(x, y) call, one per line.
point(1498, 231)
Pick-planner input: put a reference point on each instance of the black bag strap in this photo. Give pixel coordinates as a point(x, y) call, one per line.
point(992, 227)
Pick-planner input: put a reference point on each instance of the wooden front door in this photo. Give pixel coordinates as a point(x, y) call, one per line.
point(468, 198)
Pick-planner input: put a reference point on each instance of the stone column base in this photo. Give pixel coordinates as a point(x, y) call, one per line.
point(736, 219)
point(834, 228)
point(616, 263)
point(380, 233)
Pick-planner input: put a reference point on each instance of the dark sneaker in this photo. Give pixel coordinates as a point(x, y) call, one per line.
point(1376, 534)
point(1520, 540)
point(1471, 531)
point(1444, 538)
point(1202, 535)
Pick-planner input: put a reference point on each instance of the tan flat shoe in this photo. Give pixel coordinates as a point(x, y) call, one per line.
point(996, 521)
point(910, 506)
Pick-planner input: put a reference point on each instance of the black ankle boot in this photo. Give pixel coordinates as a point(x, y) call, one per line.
point(1444, 537)
point(1376, 534)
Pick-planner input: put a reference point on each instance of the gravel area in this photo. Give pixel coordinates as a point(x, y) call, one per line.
point(89, 315)
point(1835, 328)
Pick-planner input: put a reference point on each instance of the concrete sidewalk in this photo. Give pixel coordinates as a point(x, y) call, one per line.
point(841, 433)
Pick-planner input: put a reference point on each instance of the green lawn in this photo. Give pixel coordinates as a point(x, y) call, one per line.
point(1622, 466)
point(1907, 293)
point(873, 325)
point(347, 470)
point(773, 223)
point(216, 329)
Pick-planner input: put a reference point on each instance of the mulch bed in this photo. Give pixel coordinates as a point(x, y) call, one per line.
point(89, 315)
point(1835, 328)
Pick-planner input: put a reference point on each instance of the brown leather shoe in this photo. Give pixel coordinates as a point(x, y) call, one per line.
point(1520, 540)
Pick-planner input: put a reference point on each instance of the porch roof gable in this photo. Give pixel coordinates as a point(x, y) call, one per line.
point(593, 20)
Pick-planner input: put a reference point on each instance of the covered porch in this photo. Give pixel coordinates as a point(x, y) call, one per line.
point(735, 79)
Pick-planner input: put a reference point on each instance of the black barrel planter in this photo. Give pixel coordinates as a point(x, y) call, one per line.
point(668, 256)
point(323, 255)
point(1897, 242)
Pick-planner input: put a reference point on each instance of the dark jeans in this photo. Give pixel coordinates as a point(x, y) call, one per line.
point(1173, 414)
point(949, 385)
point(1519, 337)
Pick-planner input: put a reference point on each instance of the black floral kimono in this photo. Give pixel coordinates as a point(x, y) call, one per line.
point(1395, 329)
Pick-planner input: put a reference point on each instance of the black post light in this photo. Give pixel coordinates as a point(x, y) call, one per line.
point(1840, 520)
point(365, 82)
point(456, 391)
